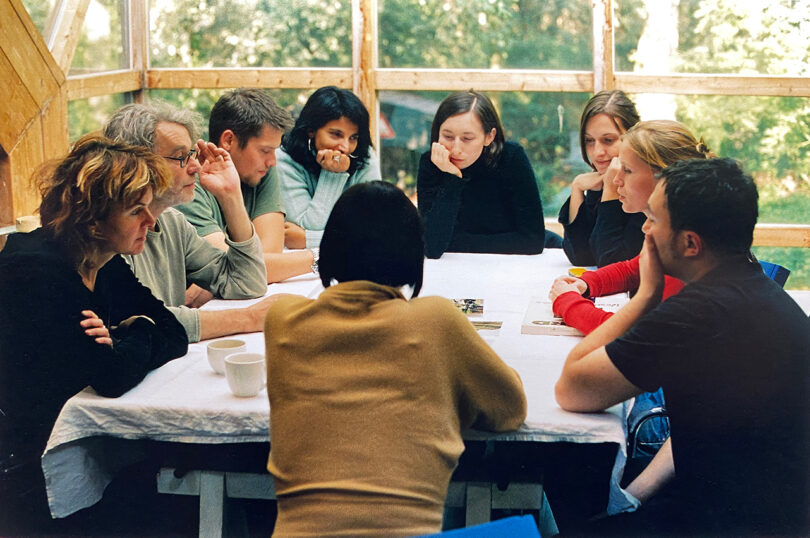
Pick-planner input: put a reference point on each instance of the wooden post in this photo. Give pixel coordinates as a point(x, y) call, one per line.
point(65, 30)
point(137, 39)
point(33, 118)
point(603, 53)
point(364, 61)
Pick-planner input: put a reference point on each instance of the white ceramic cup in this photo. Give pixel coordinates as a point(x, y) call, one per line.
point(219, 349)
point(245, 373)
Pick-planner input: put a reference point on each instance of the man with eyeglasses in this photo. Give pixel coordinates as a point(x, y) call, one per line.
point(174, 254)
point(248, 124)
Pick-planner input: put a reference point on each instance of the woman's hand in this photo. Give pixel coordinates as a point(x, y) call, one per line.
point(333, 160)
point(94, 327)
point(609, 188)
point(565, 284)
point(591, 181)
point(440, 156)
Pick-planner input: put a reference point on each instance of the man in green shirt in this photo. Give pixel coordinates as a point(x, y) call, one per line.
point(248, 124)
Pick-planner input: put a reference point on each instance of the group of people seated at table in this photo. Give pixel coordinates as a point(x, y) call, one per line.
point(266, 199)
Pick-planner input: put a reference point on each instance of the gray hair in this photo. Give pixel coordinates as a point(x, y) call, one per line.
point(135, 123)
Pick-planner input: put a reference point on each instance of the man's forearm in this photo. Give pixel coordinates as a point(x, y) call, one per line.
point(616, 325)
point(656, 475)
point(287, 265)
point(215, 323)
point(237, 221)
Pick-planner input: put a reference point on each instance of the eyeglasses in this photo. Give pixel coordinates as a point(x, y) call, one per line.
point(184, 160)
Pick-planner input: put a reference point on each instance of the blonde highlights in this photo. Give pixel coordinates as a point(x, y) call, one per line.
point(660, 143)
point(95, 178)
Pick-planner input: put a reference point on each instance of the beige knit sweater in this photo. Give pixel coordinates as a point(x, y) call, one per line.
point(369, 394)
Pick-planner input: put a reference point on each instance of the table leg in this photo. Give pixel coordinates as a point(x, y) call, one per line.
point(212, 504)
point(479, 503)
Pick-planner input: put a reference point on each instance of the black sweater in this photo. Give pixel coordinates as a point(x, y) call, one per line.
point(601, 233)
point(490, 209)
point(45, 356)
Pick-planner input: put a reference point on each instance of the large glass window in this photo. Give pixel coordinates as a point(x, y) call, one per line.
point(101, 46)
point(545, 124)
point(481, 34)
point(713, 36)
point(251, 33)
point(87, 115)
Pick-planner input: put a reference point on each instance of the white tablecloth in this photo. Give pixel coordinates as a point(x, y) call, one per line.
point(184, 401)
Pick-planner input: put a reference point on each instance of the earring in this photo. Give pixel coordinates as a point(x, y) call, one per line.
point(309, 144)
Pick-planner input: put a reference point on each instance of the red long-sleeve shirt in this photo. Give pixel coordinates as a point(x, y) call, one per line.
point(580, 313)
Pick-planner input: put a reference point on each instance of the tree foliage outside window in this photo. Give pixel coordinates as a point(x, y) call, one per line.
point(769, 135)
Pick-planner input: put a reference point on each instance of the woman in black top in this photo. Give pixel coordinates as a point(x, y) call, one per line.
point(477, 192)
point(73, 314)
point(597, 231)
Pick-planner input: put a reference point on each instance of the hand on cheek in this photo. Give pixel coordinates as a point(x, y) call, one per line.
point(440, 156)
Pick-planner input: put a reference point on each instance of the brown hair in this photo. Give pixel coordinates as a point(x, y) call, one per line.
point(615, 104)
point(83, 188)
point(471, 100)
point(660, 143)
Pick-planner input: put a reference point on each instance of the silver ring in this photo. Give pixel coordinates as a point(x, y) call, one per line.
point(336, 158)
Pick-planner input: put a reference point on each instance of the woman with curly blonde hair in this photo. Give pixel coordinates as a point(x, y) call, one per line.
point(73, 314)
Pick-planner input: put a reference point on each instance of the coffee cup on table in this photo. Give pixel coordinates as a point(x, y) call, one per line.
point(245, 373)
point(219, 349)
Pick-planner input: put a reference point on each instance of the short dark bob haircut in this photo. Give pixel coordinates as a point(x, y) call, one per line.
point(373, 233)
point(621, 110)
point(471, 100)
point(327, 104)
point(715, 199)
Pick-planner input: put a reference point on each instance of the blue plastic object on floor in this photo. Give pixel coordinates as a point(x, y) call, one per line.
point(508, 527)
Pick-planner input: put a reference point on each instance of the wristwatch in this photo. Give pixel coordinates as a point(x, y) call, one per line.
point(316, 255)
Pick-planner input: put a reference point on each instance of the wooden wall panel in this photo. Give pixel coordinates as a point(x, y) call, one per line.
point(55, 127)
point(18, 105)
point(24, 160)
point(25, 53)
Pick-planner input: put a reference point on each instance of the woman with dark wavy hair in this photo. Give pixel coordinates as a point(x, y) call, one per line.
point(477, 192)
point(326, 152)
point(73, 314)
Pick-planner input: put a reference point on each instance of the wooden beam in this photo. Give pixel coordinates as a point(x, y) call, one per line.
point(137, 40)
point(55, 126)
point(364, 60)
point(500, 80)
point(24, 159)
point(603, 50)
point(65, 31)
point(85, 86)
point(703, 84)
point(19, 108)
point(27, 54)
point(765, 235)
point(782, 235)
point(271, 77)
